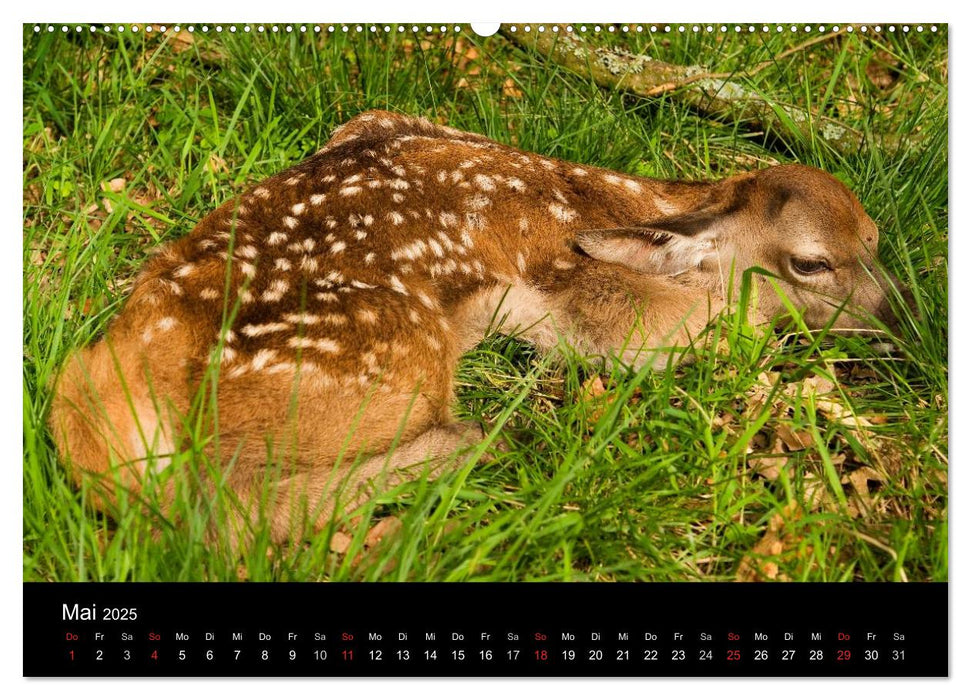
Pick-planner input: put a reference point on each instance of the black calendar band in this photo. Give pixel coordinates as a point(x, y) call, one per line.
point(515, 629)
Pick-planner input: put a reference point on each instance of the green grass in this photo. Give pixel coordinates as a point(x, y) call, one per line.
point(713, 470)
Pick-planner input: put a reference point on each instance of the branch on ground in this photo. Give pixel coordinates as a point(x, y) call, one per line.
point(716, 95)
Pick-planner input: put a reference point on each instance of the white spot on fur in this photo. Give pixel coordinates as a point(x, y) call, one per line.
point(184, 270)
point(248, 269)
point(398, 198)
point(561, 213)
point(326, 296)
point(477, 201)
point(484, 183)
point(561, 264)
point(366, 316)
point(262, 358)
point(426, 300)
point(396, 218)
point(304, 319)
point(172, 286)
point(397, 285)
point(321, 344)
point(399, 184)
point(369, 258)
point(277, 238)
point(256, 330)
point(412, 251)
point(316, 199)
point(579, 172)
point(436, 247)
point(209, 293)
point(337, 247)
point(227, 356)
point(290, 222)
point(261, 192)
point(298, 208)
point(350, 191)
point(276, 290)
point(247, 251)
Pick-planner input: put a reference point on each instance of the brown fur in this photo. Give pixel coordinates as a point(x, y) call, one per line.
point(350, 284)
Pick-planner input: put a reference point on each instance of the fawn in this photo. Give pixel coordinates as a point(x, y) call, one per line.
point(331, 302)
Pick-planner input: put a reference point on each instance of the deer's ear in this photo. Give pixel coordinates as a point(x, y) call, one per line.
point(671, 243)
point(647, 249)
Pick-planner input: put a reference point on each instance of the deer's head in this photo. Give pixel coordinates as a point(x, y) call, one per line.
point(799, 223)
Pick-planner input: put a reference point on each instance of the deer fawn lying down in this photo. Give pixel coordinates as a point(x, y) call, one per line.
point(331, 302)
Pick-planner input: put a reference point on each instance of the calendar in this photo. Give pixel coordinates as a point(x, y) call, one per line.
point(486, 630)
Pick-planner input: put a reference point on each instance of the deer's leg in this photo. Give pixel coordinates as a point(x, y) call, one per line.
point(321, 494)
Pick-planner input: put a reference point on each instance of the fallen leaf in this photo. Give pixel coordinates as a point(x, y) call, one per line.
point(793, 440)
point(384, 528)
point(509, 88)
point(114, 185)
point(839, 413)
point(217, 164)
point(770, 466)
point(762, 563)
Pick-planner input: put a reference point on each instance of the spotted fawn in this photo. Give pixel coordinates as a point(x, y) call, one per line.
point(327, 307)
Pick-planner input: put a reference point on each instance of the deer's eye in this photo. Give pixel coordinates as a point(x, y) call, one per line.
point(809, 266)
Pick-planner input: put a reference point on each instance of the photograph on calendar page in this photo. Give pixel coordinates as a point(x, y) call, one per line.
point(616, 302)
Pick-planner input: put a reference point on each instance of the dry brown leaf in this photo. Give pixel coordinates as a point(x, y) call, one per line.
point(596, 396)
point(793, 440)
point(771, 465)
point(384, 528)
point(509, 88)
point(114, 185)
point(761, 564)
point(816, 385)
point(217, 164)
point(183, 41)
point(839, 413)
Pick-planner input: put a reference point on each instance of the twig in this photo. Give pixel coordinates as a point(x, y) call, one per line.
point(712, 94)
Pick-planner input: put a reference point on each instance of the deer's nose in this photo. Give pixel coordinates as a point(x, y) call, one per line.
point(891, 310)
